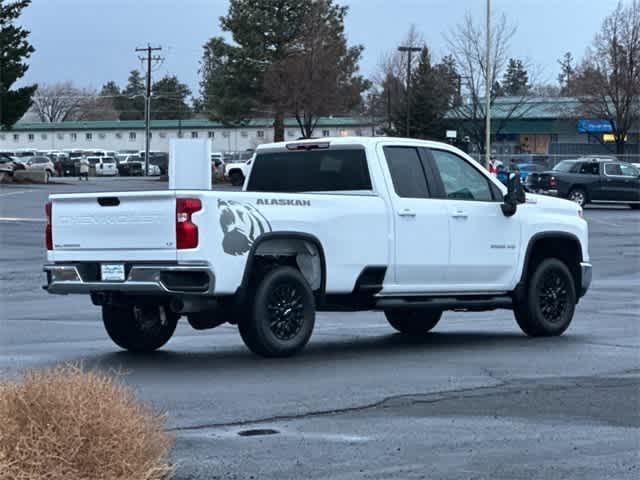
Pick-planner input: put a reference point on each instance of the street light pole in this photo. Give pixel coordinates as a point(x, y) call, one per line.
point(487, 92)
point(409, 51)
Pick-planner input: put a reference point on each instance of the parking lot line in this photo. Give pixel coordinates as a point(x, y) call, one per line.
point(6, 194)
point(22, 219)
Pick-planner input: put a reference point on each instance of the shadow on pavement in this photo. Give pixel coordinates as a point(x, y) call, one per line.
point(375, 349)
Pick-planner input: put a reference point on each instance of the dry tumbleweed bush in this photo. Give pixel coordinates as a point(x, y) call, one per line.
point(65, 423)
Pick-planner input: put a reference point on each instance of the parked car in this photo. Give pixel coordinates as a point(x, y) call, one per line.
point(161, 159)
point(9, 164)
point(269, 257)
point(130, 165)
point(105, 166)
point(71, 164)
point(524, 169)
point(590, 181)
point(41, 162)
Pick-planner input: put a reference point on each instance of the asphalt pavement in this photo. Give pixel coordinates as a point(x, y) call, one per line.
point(475, 399)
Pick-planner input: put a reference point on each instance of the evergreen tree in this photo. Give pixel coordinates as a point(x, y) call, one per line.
point(168, 99)
point(131, 105)
point(319, 75)
point(14, 50)
point(567, 73)
point(516, 79)
point(232, 84)
point(434, 90)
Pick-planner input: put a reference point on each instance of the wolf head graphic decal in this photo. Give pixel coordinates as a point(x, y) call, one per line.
point(241, 225)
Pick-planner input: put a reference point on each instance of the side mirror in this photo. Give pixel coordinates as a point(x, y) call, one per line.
point(515, 195)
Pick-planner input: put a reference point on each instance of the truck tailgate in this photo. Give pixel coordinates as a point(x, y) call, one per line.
point(111, 222)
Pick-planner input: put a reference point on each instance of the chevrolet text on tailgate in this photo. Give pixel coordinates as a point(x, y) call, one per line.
point(411, 228)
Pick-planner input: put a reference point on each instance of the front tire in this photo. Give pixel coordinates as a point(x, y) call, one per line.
point(282, 315)
point(413, 322)
point(139, 328)
point(550, 300)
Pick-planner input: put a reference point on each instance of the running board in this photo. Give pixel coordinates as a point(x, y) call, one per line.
point(445, 303)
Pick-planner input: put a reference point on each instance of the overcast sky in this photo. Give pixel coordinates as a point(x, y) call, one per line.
point(93, 41)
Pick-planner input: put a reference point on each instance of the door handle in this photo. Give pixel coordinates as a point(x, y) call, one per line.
point(459, 214)
point(407, 213)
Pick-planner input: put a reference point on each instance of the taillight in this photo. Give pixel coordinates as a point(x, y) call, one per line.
point(553, 182)
point(48, 230)
point(186, 231)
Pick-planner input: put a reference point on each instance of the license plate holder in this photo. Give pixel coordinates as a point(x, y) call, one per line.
point(112, 272)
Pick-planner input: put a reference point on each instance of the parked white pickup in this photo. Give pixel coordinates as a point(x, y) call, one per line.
point(408, 227)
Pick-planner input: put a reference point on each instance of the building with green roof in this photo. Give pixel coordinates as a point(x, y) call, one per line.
point(539, 125)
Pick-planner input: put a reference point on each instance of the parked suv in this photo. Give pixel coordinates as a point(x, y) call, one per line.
point(105, 166)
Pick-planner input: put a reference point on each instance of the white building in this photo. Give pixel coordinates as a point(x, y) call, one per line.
point(130, 134)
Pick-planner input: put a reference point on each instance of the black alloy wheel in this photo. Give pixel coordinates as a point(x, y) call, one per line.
point(549, 301)
point(281, 316)
point(553, 295)
point(286, 311)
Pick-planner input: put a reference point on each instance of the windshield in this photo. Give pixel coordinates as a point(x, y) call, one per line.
point(93, 160)
point(108, 160)
point(564, 166)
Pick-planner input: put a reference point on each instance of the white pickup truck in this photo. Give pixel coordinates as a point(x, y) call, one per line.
point(411, 228)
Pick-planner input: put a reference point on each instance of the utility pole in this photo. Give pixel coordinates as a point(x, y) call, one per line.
point(409, 51)
point(487, 92)
point(147, 102)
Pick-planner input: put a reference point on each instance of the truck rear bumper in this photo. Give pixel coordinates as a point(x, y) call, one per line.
point(585, 276)
point(141, 279)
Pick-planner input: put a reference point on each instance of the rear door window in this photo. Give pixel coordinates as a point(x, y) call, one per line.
point(590, 168)
point(326, 170)
point(407, 172)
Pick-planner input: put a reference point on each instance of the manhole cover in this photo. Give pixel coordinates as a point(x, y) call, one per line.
point(258, 431)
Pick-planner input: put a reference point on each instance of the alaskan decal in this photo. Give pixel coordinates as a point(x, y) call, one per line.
point(241, 225)
point(284, 202)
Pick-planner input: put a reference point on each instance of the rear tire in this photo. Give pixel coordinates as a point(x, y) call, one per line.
point(579, 196)
point(139, 328)
point(236, 178)
point(550, 300)
point(281, 316)
point(413, 322)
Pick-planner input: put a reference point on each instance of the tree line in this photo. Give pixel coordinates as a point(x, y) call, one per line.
point(292, 58)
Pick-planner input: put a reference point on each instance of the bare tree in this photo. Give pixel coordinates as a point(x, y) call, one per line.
point(57, 102)
point(607, 82)
point(388, 94)
point(62, 102)
point(468, 47)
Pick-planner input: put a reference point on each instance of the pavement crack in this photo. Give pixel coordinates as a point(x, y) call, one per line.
point(615, 345)
point(410, 397)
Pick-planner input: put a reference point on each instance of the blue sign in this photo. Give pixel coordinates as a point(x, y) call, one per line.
point(594, 126)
